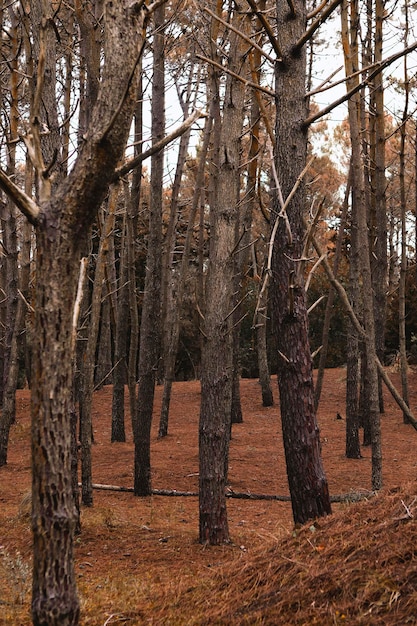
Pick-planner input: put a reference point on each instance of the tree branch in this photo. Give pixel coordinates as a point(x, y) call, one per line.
point(361, 332)
point(242, 35)
point(24, 203)
point(351, 496)
point(269, 92)
point(316, 24)
point(268, 29)
point(135, 161)
point(379, 68)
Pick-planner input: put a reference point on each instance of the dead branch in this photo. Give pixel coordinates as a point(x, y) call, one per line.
point(78, 299)
point(316, 24)
point(317, 10)
point(379, 67)
point(353, 496)
point(248, 83)
point(361, 332)
point(24, 203)
point(242, 35)
point(268, 28)
point(159, 145)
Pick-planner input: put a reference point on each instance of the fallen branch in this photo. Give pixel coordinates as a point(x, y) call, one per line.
point(353, 496)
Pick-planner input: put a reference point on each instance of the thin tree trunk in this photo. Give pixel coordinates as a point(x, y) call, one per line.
point(403, 214)
point(174, 279)
point(150, 329)
point(350, 49)
point(262, 348)
point(131, 232)
point(14, 308)
point(380, 265)
point(86, 423)
point(328, 314)
point(367, 299)
point(120, 349)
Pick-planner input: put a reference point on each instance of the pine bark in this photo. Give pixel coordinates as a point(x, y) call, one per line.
point(150, 328)
point(61, 226)
point(217, 356)
point(307, 481)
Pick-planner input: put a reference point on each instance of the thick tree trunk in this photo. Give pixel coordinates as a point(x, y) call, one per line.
point(217, 357)
point(61, 226)
point(54, 515)
point(307, 481)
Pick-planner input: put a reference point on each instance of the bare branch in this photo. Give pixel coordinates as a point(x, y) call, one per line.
point(78, 299)
point(24, 203)
point(268, 28)
point(361, 332)
point(242, 35)
point(248, 83)
point(316, 10)
point(316, 24)
point(379, 67)
point(159, 145)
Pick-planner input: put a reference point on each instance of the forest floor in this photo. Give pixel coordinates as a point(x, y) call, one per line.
point(138, 560)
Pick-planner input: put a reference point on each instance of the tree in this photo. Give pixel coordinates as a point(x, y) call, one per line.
point(306, 477)
point(217, 355)
point(61, 220)
point(358, 180)
point(150, 329)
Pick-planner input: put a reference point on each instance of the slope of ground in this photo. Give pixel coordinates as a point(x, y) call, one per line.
point(138, 560)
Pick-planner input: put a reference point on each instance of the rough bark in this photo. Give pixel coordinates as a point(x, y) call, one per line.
point(150, 328)
point(366, 285)
point(306, 477)
point(217, 357)
point(60, 226)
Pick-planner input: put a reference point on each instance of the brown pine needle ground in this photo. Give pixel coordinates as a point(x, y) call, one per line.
point(138, 560)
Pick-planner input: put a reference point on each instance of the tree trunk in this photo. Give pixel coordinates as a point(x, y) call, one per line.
point(217, 361)
point(365, 269)
point(379, 255)
point(328, 314)
point(61, 224)
point(86, 422)
point(173, 279)
point(262, 351)
point(150, 329)
point(403, 216)
point(307, 481)
point(120, 349)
